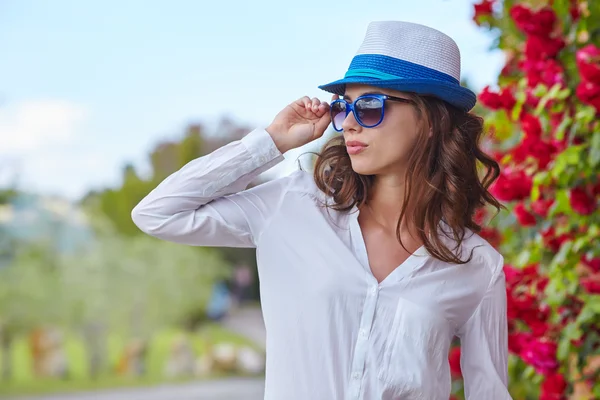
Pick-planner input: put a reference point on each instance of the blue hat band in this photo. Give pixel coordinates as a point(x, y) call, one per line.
point(384, 67)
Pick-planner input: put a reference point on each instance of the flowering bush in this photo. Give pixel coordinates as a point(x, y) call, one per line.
point(544, 116)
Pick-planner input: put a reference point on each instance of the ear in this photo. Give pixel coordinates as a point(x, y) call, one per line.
point(430, 132)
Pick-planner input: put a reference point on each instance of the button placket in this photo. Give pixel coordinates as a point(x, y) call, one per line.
point(361, 346)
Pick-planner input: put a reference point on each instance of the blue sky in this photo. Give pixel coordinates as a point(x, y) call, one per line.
point(86, 86)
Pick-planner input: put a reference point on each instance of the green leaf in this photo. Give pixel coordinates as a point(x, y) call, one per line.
point(520, 98)
point(563, 350)
point(594, 304)
point(580, 243)
point(540, 178)
point(554, 90)
point(540, 90)
point(594, 156)
point(561, 203)
point(563, 94)
point(586, 114)
point(523, 258)
point(535, 193)
point(587, 313)
point(573, 154)
point(594, 230)
point(560, 131)
point(562, 255)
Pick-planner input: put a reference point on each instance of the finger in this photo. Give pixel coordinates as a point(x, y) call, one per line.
point(322, 124)
point(323, 108)
point(304, 102)
point(315, 104)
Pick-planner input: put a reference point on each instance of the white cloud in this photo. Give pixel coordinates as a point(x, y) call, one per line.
point(32, 124)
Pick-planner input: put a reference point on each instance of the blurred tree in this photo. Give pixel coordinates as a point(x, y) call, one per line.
point(166, 158)
point(29, 295)
point(134, 286)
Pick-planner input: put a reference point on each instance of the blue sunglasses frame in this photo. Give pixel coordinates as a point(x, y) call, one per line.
point(351, 107)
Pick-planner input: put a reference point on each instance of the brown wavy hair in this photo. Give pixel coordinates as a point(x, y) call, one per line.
point(447, 178)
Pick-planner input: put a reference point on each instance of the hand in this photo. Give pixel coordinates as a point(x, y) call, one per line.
point(299, 123)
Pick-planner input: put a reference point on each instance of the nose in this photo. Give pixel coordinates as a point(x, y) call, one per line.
point(350, 123)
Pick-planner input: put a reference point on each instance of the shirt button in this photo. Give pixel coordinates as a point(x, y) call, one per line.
point(374, 290)
point(363, 333)
point(356, 375)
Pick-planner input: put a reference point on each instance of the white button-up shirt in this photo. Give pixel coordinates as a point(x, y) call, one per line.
point(333, 331)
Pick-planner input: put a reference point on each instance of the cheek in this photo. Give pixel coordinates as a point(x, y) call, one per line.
point(395, 145)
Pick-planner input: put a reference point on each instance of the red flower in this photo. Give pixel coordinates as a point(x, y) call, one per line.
point(512, 186)
point(518, 341)
point(541, 355)
point(592, 263)
point(530, 99)
point(570, 310)
point(581, 202)
point(539, 23)
point(497, 101)
point(524, 217)
point(540, 150)
point(480, 215)
point(492, 236)
point(596, 189)
point(531, 126)
point(553, 387)
point(541, 206)
point(538, 327)
point(483, 9)
point(591, 284)
point(540, 47)
point(511, 67)
point(588, 62)
point(548, 72)
point(512, 274)
point(589, 93)
point(541, 286)
point(454, 360)
point(574, 10)
point(553, 241)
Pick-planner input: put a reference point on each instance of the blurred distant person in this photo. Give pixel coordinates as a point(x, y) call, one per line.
point(370, 265)
point(242, 283)
point(219, 303)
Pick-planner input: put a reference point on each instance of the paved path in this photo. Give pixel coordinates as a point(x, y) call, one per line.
point(248, 322)
point(226, 389)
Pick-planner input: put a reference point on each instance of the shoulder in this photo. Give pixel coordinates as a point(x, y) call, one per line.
point(486, 261)
point(302, 182)
point(483, 256)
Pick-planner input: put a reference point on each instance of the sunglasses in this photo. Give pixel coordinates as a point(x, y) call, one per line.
point(368, 110)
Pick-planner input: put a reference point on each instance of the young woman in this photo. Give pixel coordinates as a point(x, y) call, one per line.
point(370, 266)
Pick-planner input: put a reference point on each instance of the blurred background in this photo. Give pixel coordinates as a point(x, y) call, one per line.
point(101, 100)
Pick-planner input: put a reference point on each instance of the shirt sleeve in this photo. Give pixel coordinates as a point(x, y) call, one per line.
point(484, 344)
point(205, 202)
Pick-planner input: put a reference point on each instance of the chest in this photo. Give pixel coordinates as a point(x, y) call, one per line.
point(384, 251)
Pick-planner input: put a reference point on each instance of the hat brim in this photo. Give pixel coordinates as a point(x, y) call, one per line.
point(452, 93)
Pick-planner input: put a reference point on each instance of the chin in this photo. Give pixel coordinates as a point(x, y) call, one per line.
point(363, 166)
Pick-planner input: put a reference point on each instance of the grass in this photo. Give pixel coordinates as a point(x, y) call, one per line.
point(24, 382)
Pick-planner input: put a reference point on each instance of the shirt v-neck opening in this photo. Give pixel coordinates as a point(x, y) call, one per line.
point(413, 261)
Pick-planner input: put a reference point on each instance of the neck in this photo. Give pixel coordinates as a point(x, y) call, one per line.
point(385, 200)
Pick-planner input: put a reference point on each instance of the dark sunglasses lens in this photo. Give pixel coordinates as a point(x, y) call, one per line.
point(338, 114)
point(369, 110)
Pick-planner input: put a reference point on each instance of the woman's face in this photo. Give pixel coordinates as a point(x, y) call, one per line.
point(385, 148)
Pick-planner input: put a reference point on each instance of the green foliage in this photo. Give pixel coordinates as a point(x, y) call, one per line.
point(564, 116)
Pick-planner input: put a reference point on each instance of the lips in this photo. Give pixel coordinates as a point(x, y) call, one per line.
point(355, 147)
